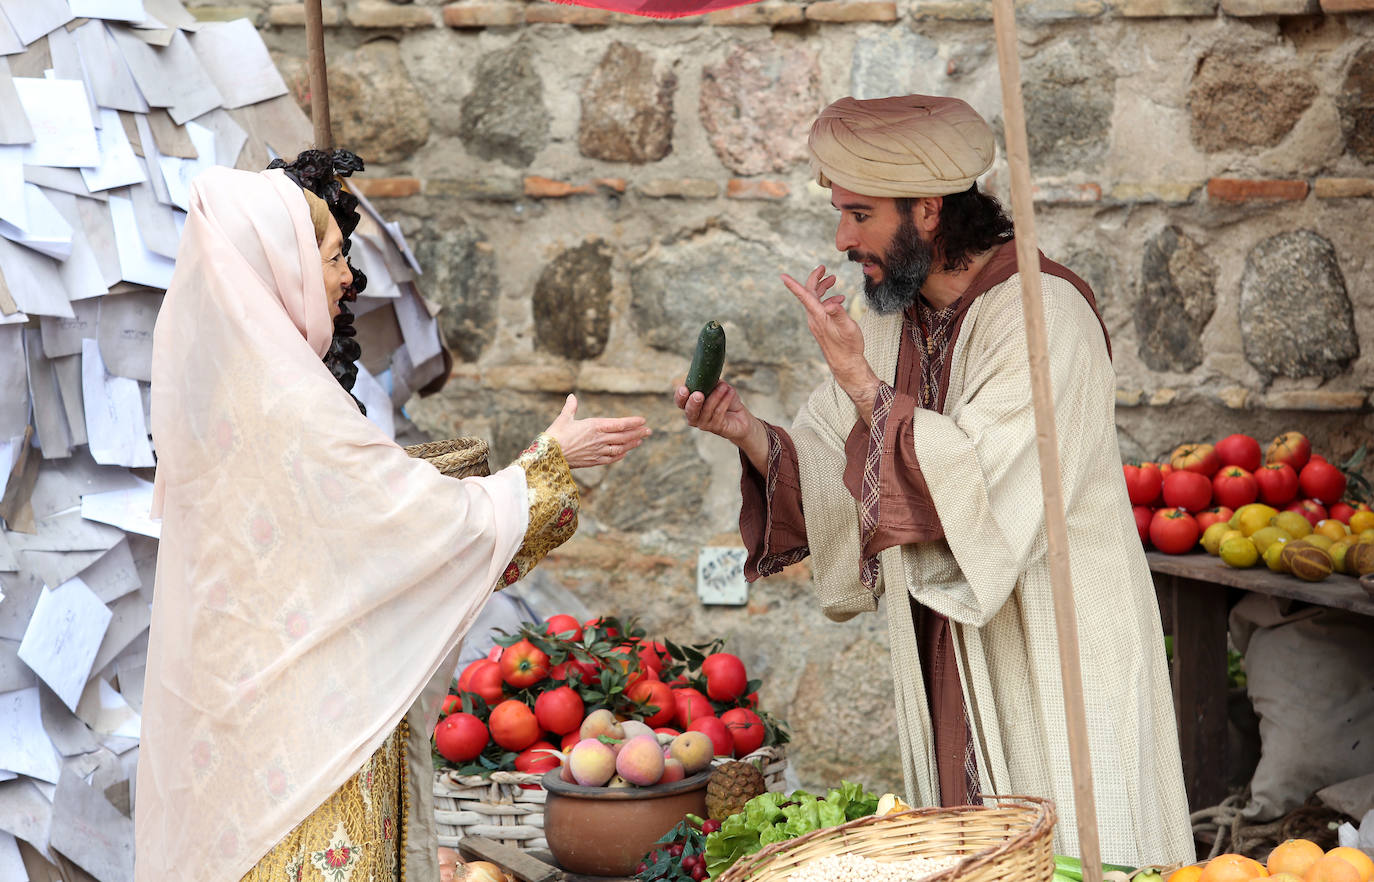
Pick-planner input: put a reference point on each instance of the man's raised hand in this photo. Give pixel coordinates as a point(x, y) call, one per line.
point(841, 341)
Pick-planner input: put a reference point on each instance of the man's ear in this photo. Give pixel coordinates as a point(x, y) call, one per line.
point(926, 213)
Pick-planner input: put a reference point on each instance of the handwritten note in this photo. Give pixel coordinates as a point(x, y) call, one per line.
point(64, 134)
point(63, 637)
point(115, 425)
point(24, 746)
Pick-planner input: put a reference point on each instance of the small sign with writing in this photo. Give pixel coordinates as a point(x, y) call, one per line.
point(720, 576)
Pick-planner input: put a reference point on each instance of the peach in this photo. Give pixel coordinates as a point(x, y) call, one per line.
point(693, 750)
point(592, 762)
point(672, 771)
point(601, 722)
point(631, 728)
point(640, 761)
point(618, 781)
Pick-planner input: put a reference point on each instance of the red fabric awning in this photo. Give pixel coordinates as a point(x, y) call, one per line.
point(660, 8)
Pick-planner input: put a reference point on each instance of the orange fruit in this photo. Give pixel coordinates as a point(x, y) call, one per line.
point(1357, 859)
point(1332, 868)
point(1235, 868)
point(1294, 856)
point(1185, 874)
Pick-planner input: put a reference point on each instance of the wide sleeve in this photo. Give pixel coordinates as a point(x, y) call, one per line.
point(553, 505)
point(980, 462)
point(772, 524)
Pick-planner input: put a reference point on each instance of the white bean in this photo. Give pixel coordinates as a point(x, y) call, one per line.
point(856, 868)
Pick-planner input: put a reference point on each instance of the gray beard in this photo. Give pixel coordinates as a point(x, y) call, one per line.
point(905, 267)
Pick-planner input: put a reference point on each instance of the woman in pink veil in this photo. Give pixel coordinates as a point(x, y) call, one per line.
point(313, 580)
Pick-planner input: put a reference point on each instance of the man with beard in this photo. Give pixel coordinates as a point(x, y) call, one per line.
point(914, 465)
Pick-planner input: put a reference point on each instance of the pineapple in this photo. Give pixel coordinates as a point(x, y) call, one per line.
point(732, 784)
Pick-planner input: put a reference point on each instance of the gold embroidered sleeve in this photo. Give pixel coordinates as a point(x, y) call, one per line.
point(553, 501)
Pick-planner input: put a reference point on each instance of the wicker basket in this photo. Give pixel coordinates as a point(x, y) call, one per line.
point(500, 808)
point(1011, 841)
point(456, 457)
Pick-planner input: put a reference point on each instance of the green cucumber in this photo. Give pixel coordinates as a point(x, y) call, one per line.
point(708, 359)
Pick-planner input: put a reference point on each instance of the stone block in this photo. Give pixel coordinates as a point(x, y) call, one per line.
point(1234, 397)
point(1166, 8)
point(292, 15)
point(1162, 397)
point(225, 13)
point(1315, 399)
point(770, 14)
point(679, 188)
point(738, 188)
point(749, 135)
point(1171, 192)
point(952, 10)
point(381, 14)
point(492, 189)
point(483, 15)
point(386, 188)
point(1247, 8)
point(619, 381)
point(530, 378)
point(1249, 190)
point(844, 11)
point(562, 13)
point(1055, 192)
point(1129, 397)
point(1334, 6)
point(627, 108)
point(1343, 188)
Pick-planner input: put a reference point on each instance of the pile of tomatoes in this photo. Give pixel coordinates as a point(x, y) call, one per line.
point(525, 702)
point(1200, 484)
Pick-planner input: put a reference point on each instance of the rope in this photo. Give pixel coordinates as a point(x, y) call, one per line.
point(1227, 824)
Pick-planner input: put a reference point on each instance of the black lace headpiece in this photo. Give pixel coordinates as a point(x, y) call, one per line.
point(320, 172)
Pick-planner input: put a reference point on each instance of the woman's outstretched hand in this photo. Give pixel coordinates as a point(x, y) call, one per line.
point(594, 442)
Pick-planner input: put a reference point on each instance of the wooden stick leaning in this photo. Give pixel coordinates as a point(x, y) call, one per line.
point(1047, 445)
point(319, 81)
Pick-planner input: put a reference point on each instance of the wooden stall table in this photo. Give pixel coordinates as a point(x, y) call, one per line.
point(1195, 594)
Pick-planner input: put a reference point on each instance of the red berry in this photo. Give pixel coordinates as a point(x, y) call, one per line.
point(710, 826)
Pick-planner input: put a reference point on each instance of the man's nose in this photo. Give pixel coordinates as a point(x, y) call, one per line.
point(845, 240)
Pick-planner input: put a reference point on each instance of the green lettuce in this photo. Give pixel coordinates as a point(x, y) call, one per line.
point(775, 817)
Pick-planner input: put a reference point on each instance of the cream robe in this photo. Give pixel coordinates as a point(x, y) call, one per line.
point(991, 574)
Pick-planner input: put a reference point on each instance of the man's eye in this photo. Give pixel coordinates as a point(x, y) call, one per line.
point(860, 218)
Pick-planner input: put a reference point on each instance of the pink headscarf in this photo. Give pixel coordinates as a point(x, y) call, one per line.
point(312, 577)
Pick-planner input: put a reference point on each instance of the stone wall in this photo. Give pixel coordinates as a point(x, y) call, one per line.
point(585, 189)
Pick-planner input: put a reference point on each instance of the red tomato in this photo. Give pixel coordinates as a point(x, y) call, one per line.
point(1322, 481)
point(536, 759)
point(667, 730)
point(523, 664)
point(513, 725)
point(725, 676)
point(1311, 509)
point(654, 694)
point(1342, 511)
point(1240, 450)
point(569, 740)
point(460, 737)
point(1143, 483)
point(1143, 514)
point(1233, 487)
point(559, 710)
point(1166, 469)
point(652, 657)
point(452, 704)
point(1187, 490)
point(564, 626)
point(746, 729)
point(486, 682)
point(1173, 531)
point(722, 744)
point(1292, 448)
point(1200, 458)
point(1278, 484)
point(593, 624)
point(690, 704)
point(1209, 517)
point(465, 678)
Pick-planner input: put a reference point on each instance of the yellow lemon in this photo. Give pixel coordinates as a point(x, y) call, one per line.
point(1295, 524)
point(1272, 556)
point(1264, 535)
point(1322, 542)
point(1238, 552)
point(1211, 537)
point(1337, 552)
point(1249, 518)
point(1361, 521)
point(1367, 535)
point(1332, 528)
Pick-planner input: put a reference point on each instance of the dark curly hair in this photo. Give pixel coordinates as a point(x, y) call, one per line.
point(970, 222)
point(321, 172)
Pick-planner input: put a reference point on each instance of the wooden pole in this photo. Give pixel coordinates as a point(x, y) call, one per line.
point(319, 81)
point(1047, 443)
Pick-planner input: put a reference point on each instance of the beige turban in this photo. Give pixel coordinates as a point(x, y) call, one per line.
point(908, 146)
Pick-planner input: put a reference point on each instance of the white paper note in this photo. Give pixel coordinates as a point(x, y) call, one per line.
point(13, 207)
point(105, 710)
point(63, 637)
point(11, 864)
point(45, 231)
point(178, 173)
point(114, 414)
point(64, 134)
point(49, 417)
point(119, 165)
point(136, 263)
point(129, 510)
point(108, 75)
point(376, 399)
point(24, 747)
point(418, 327)
point(81, 273)
point(10, 44)
point(89, 831)
point(229, 136)
point(14, 386)
point(26, 813)
point(116, 10)
point(196, 92)
point(237, 61)
point(34, 280)
point(32, 19)
point(126, 333)
point(114, 575)
point(66, 62)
